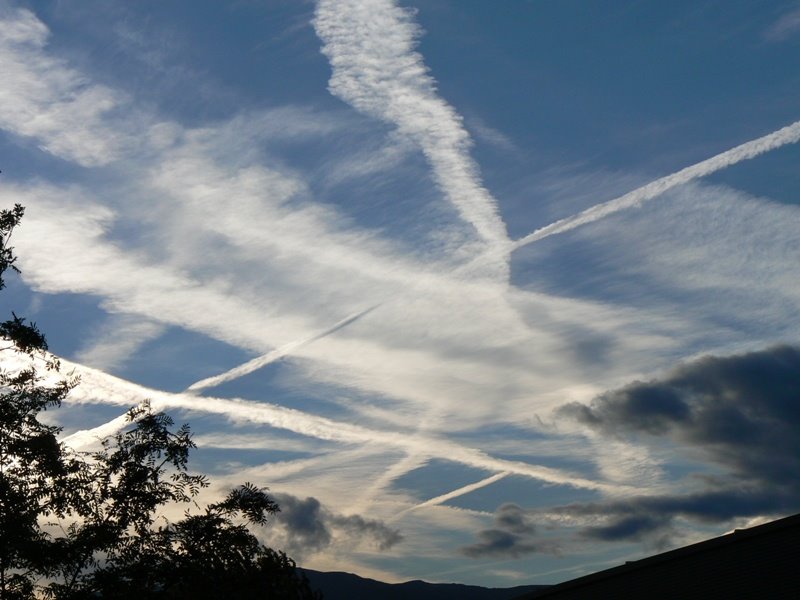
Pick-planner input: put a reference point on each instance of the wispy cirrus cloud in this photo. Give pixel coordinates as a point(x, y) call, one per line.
point(42, 97)
point(700, 258)
point(388, 360)
point(786, 26)
point(116, 340)
point(226, 231)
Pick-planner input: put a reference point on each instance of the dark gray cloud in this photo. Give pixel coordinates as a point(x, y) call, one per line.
point(356, 526)
point(652, 520)
point(513, 518)
point(712, 505)
point(513, 536)
point(629, 527)
point(741, 412)
point(304, 521)
point(307, 526)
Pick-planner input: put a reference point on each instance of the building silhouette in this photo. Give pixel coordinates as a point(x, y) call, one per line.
point(761, 562)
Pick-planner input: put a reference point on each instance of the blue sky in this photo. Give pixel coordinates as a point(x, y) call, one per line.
point(495, 293)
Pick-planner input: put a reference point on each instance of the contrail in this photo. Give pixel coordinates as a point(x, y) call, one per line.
point(270, 357)
point(98, 387)
point(408, 463)
point(370, 45)
point(85, 437)
point(455, 493)
point(787, 135)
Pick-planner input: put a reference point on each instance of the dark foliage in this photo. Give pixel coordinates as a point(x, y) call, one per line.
point(79, 526)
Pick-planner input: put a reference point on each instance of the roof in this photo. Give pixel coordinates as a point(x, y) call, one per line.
point(758, 562)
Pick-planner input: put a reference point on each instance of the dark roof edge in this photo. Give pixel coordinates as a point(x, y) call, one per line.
point(736, 536)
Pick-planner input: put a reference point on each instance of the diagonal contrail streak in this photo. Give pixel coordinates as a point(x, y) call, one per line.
point(270, 357)
point(786, 135)
point(466, 489)
point(113, 426)
point(375, 68)
point(100, 388)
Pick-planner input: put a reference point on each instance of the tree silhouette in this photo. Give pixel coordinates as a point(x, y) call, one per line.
point(33, 466)
point(91, 525)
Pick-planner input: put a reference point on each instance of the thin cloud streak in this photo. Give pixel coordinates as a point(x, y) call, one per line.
point(84, 438)
point(786, 135)
point(270, 357)
point(408, 463)
point(466, 489)
point(785, 27)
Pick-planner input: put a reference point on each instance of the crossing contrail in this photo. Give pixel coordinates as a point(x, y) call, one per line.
point(787, 135)
point(100, 388)
point(89, 436)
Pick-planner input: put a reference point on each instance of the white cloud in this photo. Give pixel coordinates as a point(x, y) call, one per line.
point(370, 45)
point(287, 267)
point(63, 243)
point(473, 342)
point(116, 341)
point(43, 98)
point(490, 135)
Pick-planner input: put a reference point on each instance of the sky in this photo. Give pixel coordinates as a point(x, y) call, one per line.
point(497, 293)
